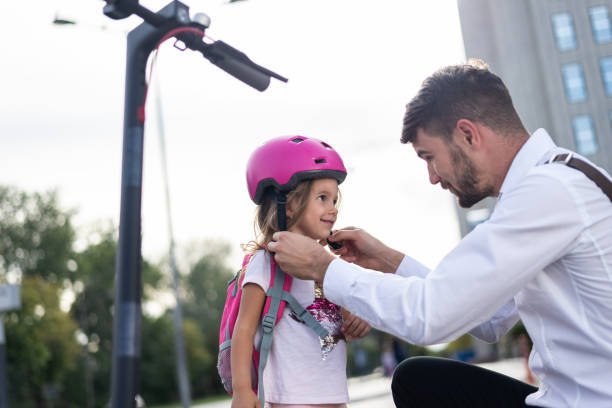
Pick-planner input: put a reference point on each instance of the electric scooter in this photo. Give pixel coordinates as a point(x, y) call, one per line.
point(175, 21)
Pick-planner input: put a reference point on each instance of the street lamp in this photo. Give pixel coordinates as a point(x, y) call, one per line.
point(62, 21)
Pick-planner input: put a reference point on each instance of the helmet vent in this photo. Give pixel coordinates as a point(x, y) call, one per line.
point(297, 140)
point(319, 161)
point(326, 145)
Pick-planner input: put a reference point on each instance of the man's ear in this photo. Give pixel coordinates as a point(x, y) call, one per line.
point(468, 134)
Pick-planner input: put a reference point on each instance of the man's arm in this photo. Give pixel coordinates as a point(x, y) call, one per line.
point(475, 280)
point(498, 325)
point(363, 249)
point(305, 268)
point(300, 256)
point(303, 258)
point(491, 330)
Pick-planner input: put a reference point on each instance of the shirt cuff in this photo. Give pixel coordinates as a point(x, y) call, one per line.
point(411, 267)
point(339, 276)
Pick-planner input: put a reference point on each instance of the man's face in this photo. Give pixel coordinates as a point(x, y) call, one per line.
point(448, 165)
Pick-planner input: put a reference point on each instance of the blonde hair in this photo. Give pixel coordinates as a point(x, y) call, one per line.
point(266, 220)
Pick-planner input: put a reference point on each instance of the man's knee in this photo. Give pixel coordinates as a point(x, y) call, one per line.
point(410, 372)
point(412, 383)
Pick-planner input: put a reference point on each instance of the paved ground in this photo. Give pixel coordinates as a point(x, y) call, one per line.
point(375, 390)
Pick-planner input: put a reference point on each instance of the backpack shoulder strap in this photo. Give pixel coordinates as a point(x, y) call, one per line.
point(273, 311)
point(304, 315)
point(246, 260)
point(240, 274)
point(277, 297)
point(591, 172)
point(279, 282)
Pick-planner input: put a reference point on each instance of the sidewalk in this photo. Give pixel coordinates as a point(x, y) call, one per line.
point(374, 390)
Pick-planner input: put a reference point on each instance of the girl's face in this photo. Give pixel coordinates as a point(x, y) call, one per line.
point(320, 213)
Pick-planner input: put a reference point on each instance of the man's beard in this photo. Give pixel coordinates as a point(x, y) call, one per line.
point(466, 189)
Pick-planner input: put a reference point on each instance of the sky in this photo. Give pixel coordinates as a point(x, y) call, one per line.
point(352, 67)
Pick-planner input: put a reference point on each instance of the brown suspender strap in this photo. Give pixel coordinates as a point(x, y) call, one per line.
point(591, 172)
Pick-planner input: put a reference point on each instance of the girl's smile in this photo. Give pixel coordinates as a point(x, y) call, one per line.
point(321, 212)
point(329, 222)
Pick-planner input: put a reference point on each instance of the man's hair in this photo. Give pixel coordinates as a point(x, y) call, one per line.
point(465, 91)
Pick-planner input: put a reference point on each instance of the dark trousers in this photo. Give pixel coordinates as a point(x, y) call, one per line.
point(439, 382)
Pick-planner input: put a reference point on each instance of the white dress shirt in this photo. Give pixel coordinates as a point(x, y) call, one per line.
point(544, 256)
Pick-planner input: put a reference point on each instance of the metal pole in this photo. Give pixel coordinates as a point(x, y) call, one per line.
point(3, 390)
point(179, 342)
point(127, 325)
point(140, 42)
point(127, 314)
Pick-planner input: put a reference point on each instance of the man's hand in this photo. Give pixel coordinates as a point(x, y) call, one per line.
point(353, 327)
point(363, 249)
point(300, 256)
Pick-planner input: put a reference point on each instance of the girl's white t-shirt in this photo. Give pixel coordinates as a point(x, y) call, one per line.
point(295, 372)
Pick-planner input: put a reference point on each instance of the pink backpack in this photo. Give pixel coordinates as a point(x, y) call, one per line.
point(276, 298)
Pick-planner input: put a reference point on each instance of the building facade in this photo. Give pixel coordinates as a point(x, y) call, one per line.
point(555, 57)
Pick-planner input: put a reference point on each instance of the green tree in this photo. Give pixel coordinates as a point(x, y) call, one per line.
point(54, 357)
point(36, 235)
point(202, 292)
point(204, 297)
point(94, 284)
point(202, 358)
point(41, 345)
point(157, 363)
point(36, 239)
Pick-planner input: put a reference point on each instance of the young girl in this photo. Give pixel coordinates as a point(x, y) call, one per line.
point(297, 178)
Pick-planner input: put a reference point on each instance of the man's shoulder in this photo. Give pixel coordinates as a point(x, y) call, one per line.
point(554, 171)
point(564, 176)
point(559, 184)
point(546, 183)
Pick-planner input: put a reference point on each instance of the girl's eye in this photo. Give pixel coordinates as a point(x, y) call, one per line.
point(321, 197)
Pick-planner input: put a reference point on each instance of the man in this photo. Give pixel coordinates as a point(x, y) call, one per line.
point(544, 256)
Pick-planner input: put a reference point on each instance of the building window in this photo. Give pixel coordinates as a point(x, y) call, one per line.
point(584, 133)
point(575, 86)
point(600, 22)
point(563, 30)
point(606, 73)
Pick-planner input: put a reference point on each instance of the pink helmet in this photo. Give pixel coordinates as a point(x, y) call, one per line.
point(284, 161)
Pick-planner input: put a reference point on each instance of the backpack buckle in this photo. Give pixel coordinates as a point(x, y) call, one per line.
point(268, 323)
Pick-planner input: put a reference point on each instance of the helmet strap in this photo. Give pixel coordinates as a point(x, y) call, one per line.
point(281, 210)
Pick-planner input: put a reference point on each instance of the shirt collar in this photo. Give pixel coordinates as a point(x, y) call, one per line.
point(538, 144)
